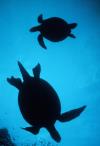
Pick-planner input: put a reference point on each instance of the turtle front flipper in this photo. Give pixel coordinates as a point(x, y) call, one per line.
point(23, 71)
point(70, 115)
point(41, 42)
point(33, 130)
point(40, 18)
point(15, 82)
point(54, 133)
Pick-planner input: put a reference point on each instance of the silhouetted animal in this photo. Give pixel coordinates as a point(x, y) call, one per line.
point(54, 29)
point(39, 103)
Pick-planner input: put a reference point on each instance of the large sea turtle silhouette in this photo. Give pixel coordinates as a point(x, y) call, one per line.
point(54, 29)
point(39, 103)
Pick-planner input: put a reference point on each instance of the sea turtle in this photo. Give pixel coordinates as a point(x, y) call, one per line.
point(39, 103)
point(54, 29)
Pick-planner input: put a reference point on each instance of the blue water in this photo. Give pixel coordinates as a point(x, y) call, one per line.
point(71, 66)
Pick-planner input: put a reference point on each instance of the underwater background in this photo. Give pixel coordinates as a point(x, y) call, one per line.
point(71, 66)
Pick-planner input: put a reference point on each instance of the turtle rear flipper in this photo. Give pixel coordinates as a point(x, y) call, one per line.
point(54, 133)
point(41, 42)
point(15, 82)
point(70, 115)
point(72, 35)
point(72, 25)
point(33, 130)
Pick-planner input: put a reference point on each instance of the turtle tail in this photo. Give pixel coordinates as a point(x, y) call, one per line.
point(70, 115)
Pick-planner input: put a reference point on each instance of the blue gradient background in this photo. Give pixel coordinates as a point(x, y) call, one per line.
point(72, 66)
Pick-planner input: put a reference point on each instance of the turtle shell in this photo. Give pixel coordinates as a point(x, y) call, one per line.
point(39, 102)
point(55, 29)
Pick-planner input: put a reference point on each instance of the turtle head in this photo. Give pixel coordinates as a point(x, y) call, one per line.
point(37, 70)
point(23, 71)
point(35, 28)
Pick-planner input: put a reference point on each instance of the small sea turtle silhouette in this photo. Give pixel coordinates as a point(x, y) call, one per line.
point(54, 29)
point(39, 103)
